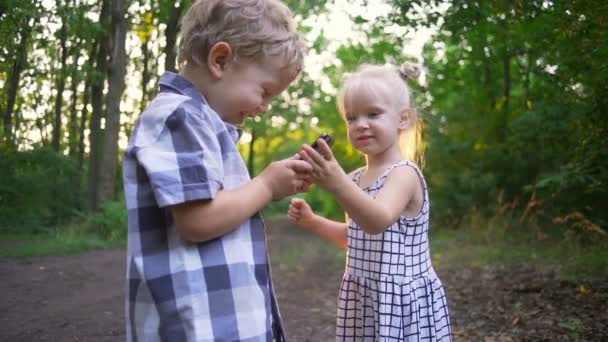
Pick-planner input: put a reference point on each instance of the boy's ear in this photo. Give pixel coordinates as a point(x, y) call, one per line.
point(405, 118)
point(219, 56)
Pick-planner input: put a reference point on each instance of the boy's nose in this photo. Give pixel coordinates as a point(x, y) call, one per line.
point(263, 108)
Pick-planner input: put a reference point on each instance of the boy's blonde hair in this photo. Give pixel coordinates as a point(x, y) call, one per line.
point(387, 82)
point(253, 28)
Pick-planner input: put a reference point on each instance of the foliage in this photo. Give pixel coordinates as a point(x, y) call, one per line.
point(514, 106)
point(517, 109)
point(38, 188)
point(109, 223)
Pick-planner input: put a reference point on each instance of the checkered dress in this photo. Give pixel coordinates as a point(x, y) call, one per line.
point(219, 290)
point(390, 291)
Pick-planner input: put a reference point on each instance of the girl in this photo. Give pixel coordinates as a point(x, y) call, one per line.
point(390, 291)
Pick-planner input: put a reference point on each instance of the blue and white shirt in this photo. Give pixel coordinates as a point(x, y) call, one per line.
point(219, 290)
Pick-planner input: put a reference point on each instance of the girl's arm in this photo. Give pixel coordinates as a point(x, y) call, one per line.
point(374, 216)
point(333, 231)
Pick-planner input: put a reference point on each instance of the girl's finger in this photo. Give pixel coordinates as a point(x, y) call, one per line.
point(313, 154)
point(325, 150)
point(306, 157)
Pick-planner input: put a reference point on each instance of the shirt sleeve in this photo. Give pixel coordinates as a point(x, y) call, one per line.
point(182, 160)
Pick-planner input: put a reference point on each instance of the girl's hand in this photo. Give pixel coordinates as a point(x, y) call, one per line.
point(326, 172)
point(300, 212)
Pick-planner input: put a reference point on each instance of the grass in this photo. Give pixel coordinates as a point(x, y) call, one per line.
point(477, 243)
point(475, 247)
point(60, 241)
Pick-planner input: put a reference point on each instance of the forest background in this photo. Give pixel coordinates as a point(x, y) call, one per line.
point(513, 103)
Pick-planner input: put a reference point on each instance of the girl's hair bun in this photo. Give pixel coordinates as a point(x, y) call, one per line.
point(409, 71)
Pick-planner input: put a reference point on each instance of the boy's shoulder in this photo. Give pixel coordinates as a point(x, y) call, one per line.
point(154, 118)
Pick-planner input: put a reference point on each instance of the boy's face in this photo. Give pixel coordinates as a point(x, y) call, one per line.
point(246, 88)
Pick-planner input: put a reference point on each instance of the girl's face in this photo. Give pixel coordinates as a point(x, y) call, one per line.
point(374, 122)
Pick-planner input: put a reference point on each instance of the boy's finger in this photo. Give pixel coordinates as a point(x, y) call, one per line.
point(299, 165)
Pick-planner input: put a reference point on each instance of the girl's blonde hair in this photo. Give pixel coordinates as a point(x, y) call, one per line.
point(391, 83)
point(253, 28)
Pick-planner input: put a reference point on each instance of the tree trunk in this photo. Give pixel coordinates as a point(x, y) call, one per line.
point(145, 75)
point(171, 36)
point(12, 84)
point(97, 87)
point(529, 61)
point(250, 161)
point(60, 85)
point(506, 86)
point(73, 124)
point(84, 111)
point(115, 90)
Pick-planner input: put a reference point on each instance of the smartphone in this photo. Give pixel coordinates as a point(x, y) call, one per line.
point(328, 139)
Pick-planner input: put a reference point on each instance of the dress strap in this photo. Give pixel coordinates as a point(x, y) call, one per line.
point(357, 174)
point(413, 166)
point(402, 163)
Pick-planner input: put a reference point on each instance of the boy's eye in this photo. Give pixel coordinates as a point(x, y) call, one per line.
point(373, 114)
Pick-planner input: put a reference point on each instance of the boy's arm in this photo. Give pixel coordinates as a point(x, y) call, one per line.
point(204, 220)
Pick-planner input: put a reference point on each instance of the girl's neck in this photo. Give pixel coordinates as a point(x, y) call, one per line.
point(384, 159)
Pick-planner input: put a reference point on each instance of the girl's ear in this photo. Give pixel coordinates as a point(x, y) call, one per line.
point(405, 119)
point(219, 56)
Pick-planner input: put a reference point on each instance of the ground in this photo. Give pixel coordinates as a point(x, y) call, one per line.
point(80, 298)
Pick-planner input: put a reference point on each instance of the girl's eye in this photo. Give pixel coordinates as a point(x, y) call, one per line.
point(373, 115)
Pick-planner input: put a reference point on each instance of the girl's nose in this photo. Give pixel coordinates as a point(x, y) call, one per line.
point(361, 123)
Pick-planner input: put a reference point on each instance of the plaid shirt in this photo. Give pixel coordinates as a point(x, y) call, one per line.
point(219, 290)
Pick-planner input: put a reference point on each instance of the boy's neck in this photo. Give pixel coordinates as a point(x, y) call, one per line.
point(197, 75)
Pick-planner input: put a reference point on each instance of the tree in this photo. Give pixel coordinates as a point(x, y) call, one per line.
point(19, 19)
point(97, 87)
point(116, 88)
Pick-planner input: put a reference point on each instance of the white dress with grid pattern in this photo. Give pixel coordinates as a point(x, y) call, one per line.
point(390, 291)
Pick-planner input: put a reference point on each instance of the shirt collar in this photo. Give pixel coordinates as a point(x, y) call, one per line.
point(171, 81)
point(235, 132)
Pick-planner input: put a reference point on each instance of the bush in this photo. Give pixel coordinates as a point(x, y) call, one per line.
point(110, 222)
point(38, 189)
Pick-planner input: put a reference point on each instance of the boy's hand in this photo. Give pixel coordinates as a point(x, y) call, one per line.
point(300, 212)
point(286, 177)
point(306, 177)
point(326, 172)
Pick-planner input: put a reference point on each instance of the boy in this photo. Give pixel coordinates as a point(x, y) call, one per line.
point(197, 265)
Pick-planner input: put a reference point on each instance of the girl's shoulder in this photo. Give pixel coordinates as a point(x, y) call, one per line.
point(406, 176)
point(403, 168)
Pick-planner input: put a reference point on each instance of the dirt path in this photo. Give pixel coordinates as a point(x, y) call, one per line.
point(80, 298)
